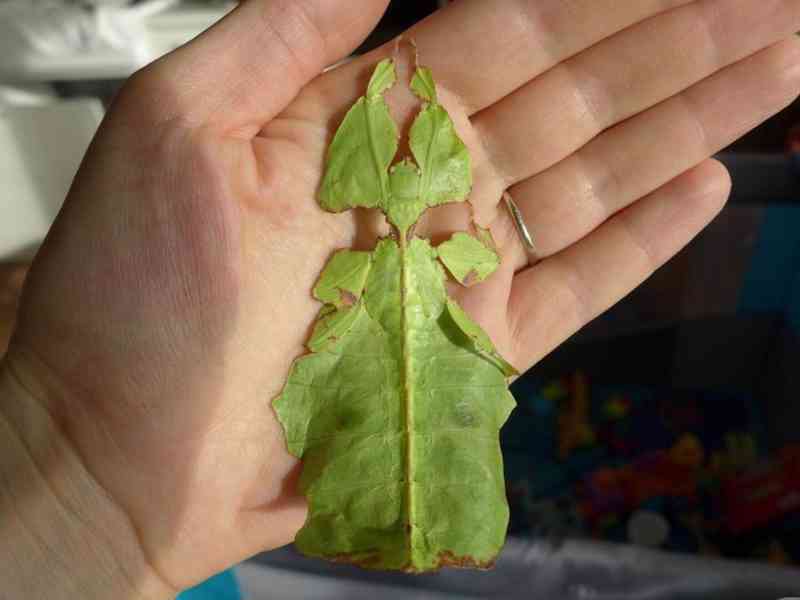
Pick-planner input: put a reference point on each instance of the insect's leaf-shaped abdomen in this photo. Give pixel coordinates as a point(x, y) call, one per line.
point(399, 422)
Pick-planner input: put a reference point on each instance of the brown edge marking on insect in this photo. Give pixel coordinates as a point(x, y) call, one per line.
point(471, 278)
point(370, 561)
point(346, 297)
point(448, 559)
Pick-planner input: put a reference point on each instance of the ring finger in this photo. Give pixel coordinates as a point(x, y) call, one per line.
point(567, 201)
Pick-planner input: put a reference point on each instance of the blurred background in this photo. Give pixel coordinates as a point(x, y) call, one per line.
point(655, 455)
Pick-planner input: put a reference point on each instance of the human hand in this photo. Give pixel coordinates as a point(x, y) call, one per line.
point(173, 292)
point(12, 276)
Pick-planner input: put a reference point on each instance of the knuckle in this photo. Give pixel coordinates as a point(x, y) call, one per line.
point(144, 83)
point(150, 97)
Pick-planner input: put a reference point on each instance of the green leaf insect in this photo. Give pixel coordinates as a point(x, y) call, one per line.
point(397, 407)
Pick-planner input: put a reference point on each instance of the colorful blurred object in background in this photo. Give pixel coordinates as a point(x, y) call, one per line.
point(680, 470)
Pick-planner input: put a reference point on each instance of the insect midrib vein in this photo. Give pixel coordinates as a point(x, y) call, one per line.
point(408, 394)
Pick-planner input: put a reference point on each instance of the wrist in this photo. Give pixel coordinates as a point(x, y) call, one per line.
point(61, 535)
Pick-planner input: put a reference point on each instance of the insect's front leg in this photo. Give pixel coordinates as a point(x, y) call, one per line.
point(468, 259)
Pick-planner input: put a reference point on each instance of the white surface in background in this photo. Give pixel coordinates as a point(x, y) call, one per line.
point(40, 150)
point(261, 582)
point(30, 95)
point(49, 41)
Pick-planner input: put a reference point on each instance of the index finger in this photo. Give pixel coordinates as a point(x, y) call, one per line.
point(248, 66)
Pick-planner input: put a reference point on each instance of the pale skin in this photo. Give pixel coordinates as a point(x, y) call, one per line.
point(139, 451)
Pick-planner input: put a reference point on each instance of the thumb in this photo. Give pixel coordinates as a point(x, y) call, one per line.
point(248, 67)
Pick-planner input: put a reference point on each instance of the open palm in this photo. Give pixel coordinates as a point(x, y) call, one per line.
point(171, 296)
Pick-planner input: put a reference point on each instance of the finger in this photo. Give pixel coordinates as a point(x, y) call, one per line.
point(482, 51)
point(251, 64)
point(552, 300)
point(621, 76)
point(569, 200)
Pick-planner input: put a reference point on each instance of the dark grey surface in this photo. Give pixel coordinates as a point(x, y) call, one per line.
point(573, 570)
